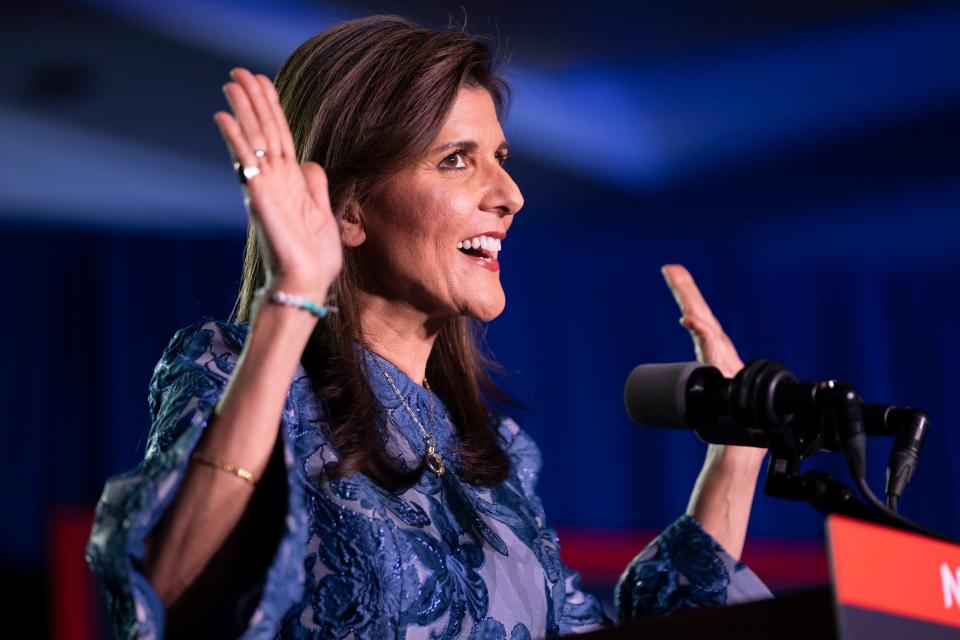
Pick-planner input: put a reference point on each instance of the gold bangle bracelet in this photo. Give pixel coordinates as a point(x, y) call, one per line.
point(243, 474)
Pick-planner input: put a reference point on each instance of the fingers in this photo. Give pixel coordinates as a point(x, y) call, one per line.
point(240, 150)
point(253, 112)
point(245, 116)
point(261, 105)
point(686, 292)
point(707, 331)
point(697, 316)
point(257, 110)
point(712, 345)
point(280, 119)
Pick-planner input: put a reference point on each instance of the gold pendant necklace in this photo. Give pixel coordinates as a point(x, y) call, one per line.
point(433, 460)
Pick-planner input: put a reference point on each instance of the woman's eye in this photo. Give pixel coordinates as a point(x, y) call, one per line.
point(458, 160)
point(454, 161)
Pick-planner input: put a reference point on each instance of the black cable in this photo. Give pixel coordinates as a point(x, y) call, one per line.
point(844, 403)
point(894, 516)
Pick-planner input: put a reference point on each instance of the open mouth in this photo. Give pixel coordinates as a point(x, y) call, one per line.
point(483, 247)
point(479, 253)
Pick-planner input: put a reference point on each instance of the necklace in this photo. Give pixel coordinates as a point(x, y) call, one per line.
point(433, 460)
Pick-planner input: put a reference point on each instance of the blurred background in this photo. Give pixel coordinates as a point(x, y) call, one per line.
point(800, 158)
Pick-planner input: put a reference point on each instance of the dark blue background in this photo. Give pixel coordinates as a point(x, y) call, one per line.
point(802, 162)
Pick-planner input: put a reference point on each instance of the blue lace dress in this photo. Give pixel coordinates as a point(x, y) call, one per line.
point(442, 559)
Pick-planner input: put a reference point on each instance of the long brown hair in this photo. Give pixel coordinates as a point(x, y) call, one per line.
point(364, 99)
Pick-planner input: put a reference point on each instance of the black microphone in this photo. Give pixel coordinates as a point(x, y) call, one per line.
point(762, 398)
point(764, 405)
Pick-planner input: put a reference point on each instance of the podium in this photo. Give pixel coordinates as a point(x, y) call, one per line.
point(886, 584)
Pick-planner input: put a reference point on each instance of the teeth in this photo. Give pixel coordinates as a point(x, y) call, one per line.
point(488, 244)
point(480, 242)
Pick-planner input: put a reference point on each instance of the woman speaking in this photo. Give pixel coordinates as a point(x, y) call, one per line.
point(336, 461)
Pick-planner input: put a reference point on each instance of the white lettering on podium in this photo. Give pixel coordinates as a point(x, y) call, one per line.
point(951, 586)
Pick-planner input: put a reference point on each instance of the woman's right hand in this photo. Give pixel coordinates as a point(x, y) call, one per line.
point(288, 202)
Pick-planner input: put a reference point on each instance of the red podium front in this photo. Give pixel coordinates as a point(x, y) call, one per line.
point(893, 584)
point(887, 584)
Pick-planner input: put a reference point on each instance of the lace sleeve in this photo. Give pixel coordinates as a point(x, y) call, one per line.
point(185, 388)
point(684, 567)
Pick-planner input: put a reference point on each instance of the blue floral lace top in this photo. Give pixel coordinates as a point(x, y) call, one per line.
point(443, 559)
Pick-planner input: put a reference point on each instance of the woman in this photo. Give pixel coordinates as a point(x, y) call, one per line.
point(314, 474)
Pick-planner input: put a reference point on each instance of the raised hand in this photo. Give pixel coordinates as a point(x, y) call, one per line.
point(723, 493)
point(711, 344)
point(288, 202)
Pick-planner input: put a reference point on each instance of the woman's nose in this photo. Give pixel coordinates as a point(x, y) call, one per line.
point(504, 195)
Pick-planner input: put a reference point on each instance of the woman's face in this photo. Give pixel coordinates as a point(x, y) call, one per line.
point(433, 231)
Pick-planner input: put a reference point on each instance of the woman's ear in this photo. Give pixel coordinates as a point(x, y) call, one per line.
point(351, 226)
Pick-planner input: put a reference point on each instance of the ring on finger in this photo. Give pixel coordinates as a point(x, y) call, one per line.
point(245, 173)
point(260, 153)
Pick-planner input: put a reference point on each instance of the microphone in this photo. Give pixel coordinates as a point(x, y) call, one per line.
point(691, 395)
point(762, 398)
point(764, 405)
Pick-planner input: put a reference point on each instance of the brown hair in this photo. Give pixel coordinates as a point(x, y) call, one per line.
point(364, 99)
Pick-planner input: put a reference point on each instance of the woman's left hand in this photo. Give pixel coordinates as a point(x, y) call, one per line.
point(711, 344)
point(723, 494)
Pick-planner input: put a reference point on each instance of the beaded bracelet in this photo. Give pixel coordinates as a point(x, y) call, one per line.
point(243, 474)
point(294, 300)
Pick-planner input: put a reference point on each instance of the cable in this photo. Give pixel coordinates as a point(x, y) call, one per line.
point(896, 517)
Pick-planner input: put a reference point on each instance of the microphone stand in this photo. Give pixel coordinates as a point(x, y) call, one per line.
point(805, 418)
point(836, 419)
